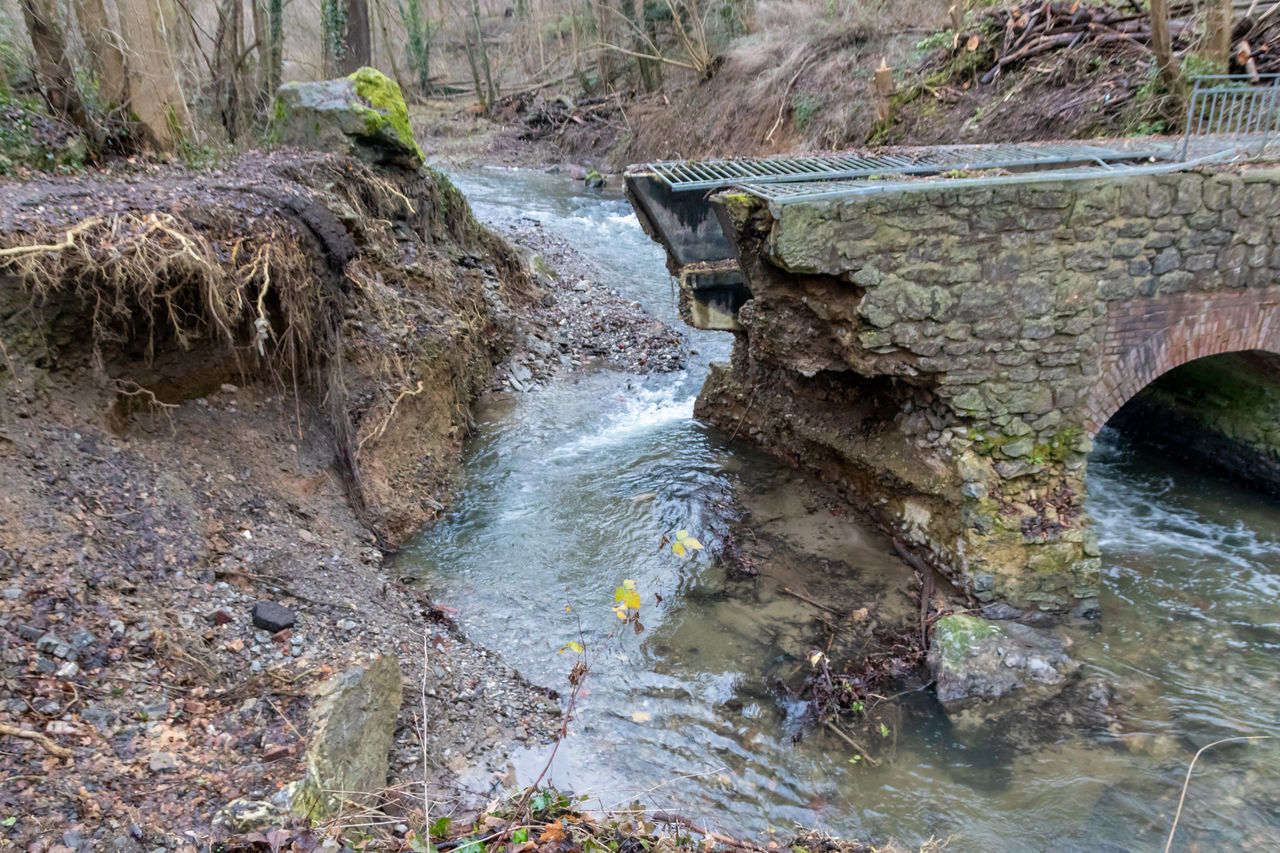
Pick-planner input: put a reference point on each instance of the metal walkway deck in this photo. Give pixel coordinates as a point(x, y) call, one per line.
point(715, 174)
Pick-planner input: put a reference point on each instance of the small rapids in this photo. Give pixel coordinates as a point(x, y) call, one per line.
point(569, 489)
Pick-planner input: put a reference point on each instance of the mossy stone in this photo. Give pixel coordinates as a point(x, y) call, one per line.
point(362, 114)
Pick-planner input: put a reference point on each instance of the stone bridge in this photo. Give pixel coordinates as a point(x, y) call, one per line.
point(945, 351)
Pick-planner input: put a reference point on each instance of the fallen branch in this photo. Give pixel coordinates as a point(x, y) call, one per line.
point(26, 734)
point(1186, 784)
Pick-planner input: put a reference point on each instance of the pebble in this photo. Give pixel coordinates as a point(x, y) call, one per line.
point(13, 592)
point(162, 761)
point(272, 617)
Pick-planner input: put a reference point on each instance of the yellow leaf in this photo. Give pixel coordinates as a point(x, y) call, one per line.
point(622, 613)
point(815, 658)
point(693, 543)
point(632, 599)
point(682, 535)
point(628, 584)
point(568, 609)
point(641, 716)
point(618, 592)
point(678, 549)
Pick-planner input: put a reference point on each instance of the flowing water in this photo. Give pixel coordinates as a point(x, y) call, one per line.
point(569, 490)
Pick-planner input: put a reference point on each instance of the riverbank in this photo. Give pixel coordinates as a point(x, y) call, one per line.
point(170, 470)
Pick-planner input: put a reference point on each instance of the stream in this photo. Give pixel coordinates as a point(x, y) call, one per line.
point(569, 489)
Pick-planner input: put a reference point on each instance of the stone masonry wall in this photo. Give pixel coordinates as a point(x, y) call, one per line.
point(987, 333)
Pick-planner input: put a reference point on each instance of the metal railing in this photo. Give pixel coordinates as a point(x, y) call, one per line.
point(1244, 108)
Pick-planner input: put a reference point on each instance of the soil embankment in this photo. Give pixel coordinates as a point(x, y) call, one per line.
point(233, 387)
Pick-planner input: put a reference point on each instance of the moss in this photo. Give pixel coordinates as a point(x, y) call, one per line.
point(956, 633)
point(389, 113)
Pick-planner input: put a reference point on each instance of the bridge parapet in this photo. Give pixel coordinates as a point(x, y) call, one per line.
point(947, 354)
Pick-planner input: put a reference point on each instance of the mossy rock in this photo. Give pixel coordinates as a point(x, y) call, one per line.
point(362, 114)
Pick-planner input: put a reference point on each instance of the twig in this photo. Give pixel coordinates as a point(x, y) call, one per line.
point(853, 743)
point(1186, 784)
point(813, 603)
point(422, 741)
point(26, 734)
point(716, 837)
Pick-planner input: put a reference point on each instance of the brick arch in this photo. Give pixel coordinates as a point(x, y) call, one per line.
point(1146, 338)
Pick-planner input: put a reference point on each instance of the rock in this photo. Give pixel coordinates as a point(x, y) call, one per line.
point(593, 179)
point(973, 659)
point(272, 617)
point(353, 724)
point(578, 173)
point(162, 761)
point(246, 815)
point(100, 718)
point(52, 645)
point(363, 114)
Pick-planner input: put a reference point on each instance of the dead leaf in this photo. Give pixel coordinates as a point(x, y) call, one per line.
point(973, 43)
point(553, 832)
point(641, 716)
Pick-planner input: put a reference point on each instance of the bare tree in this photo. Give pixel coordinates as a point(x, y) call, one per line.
point(57, 78)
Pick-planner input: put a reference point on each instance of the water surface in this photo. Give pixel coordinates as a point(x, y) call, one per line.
point(570, 489)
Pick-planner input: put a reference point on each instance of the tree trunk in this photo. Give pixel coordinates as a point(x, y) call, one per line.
point(346, 36)
point(57, 79)
point(1162, 46)
point(275, 68)
point(1220, 42)
point(490, 90)
point(634, 11)
point(156, 95)
point(226, 75)
point(101, 38)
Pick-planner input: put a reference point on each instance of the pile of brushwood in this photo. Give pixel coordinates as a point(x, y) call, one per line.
point(543, 116)
point(1012, 35)
point(1256, 41)
point(849, 699)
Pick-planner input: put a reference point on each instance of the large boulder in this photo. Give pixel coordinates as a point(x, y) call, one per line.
point(976, 661)
point(362, 114)
point(353, 723)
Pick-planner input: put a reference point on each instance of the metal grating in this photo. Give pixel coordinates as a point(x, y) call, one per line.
point(713, 174)
point(783, 193)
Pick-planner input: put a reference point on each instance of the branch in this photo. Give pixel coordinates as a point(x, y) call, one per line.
point(655, 58)
point(26, 734)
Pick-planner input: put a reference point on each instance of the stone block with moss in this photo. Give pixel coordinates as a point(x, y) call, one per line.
point(363, 114)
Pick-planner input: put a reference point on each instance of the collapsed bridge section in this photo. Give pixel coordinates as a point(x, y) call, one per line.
point(945, 350)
